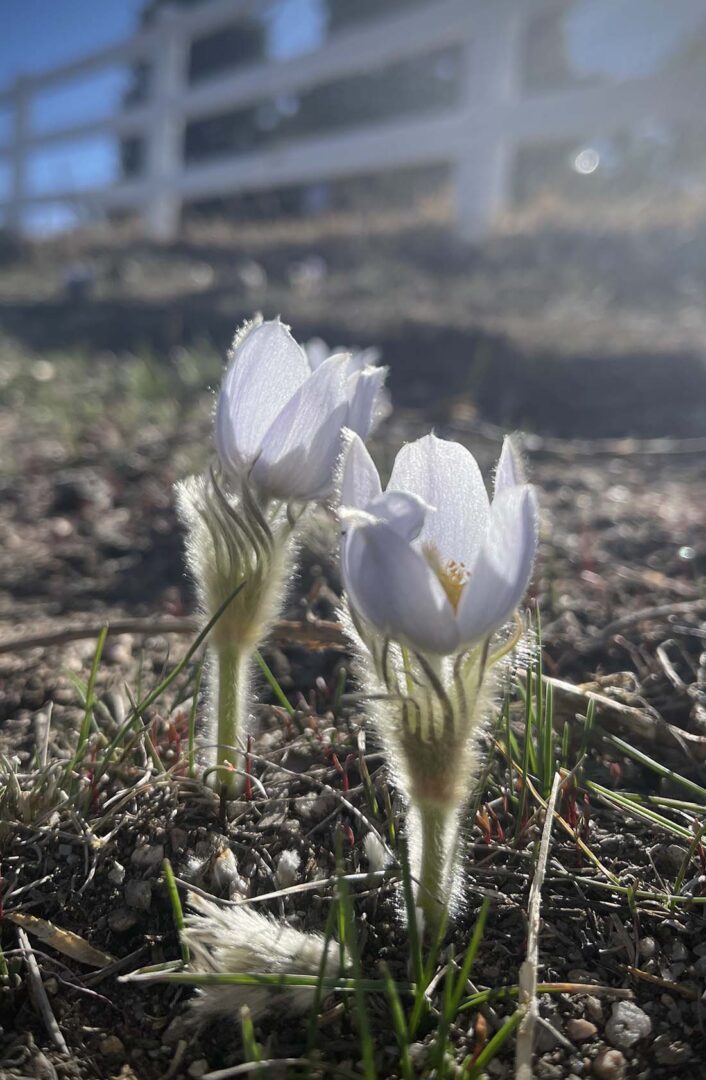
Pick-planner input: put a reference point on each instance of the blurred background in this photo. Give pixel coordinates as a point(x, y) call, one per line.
point(508, 198)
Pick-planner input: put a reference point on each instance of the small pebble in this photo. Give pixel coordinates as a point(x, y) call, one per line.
point(678, 951)
point(272, 822)
point(291, 829)
point(580, 1030)
point(198, 1068)
point(148, 856)
point(119, 651)
point(610, 1065)
point(111, 1046)
point(669, 857)
point(138, 894)
point(627, 1025)
point(116, 874)
point(42, 1068)
point(314, 807)
point(122, 919)
point(594, 1009)
point(647, 947)
point(546, 1070)
point(670, 1052)
point(417, 1054)
point(178, 839)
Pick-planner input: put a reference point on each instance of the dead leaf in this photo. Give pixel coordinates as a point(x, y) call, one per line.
point(64, 941)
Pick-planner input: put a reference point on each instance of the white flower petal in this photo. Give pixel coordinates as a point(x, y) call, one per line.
point(503, 568)
point(402, 511)
point(368, 403)
point(300, 449)
point(369, 357)
point(447, 477)
point(317, 351)
point(266, 368)
point(509, 471)
point(360, 481)
point(393, 588)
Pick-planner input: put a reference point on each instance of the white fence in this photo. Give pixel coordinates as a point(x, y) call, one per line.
point(478, 137)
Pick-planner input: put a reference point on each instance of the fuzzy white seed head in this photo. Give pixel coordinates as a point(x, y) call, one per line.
point(376, 853)
point(240, 940)
point(229, 543)
point(287, 873)
point(225, 874)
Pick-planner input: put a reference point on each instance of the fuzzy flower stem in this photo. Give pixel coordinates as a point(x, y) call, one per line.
point(438, 831)
point(232, 686)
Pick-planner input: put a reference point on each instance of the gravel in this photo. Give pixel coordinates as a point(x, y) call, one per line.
point(627, 1025)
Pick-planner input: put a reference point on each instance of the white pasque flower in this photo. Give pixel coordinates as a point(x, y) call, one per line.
point(432, 569)
point(279, 417)
point(431, 562)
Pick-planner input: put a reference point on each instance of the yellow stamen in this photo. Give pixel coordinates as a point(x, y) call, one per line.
point(452, 575)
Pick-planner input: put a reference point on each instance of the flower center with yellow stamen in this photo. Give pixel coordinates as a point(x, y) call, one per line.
point(452, 575)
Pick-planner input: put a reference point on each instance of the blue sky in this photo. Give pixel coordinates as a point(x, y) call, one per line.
point(621, 38)
point(39, 34)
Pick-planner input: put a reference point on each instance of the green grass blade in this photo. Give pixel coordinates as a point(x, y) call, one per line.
point(251, 1048)
point(155, 694)
point(415, 944)
point(177, 911)
point(565, 737)
point(655, 766)
point(88, 711)
point(421, 1003)
point(631, 806)
point(340, 984)
point(339, 691)
point(191, 748)
point(494, 1045)
point(527, 754)
point(273, 683)
point(399, 1023)
point(144, 731)
point(469, 958)
point(548, 766)
point(587, 730)
point(313, 1032)
point(367, 1047)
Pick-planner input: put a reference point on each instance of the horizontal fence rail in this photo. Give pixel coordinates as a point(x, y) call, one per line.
point(477, 137)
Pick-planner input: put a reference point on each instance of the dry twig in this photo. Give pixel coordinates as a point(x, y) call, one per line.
point(39, 994)
point(318, 634)
point(528, 969)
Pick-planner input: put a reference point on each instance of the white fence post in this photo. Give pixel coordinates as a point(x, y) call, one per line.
point(164, 136)
point(484, 167)
point(20, 136)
